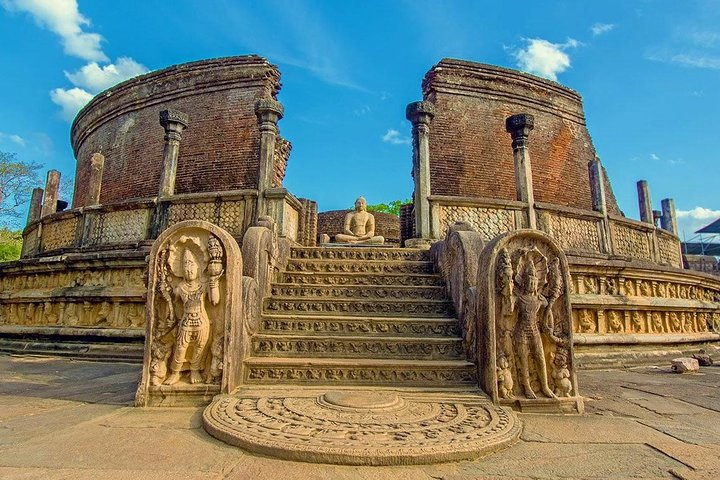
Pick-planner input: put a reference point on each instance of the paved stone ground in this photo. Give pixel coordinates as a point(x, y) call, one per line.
point(65, 419)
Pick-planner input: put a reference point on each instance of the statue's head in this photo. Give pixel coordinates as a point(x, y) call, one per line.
point(530, 278)
point(190, 265)
point(360, 204)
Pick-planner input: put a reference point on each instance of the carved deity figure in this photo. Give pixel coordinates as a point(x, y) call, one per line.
point(636, 322)
point(561, 374)
point(71, 317)
point(193, 323)
point(359, 226)
point(504, 376)
point(675, 324)
point(657, 323)
point(587, 324)
point(527, 334)
point(615, 324)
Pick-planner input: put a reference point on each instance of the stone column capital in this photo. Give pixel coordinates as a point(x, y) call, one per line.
point(174, 122)
point(420, 112)
point(269, 110)
point(519, 126)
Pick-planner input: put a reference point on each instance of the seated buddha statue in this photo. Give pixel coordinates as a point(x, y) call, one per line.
point(359, 226)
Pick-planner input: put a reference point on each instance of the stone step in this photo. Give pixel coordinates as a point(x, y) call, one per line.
point(338, 306)
point(359, 266)
point(362, 292)
point(342, 371)
point(356, 325)
point(360, 253)
point(417, 348)
point(324, 278)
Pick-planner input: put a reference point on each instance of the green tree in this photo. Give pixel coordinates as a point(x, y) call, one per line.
point(17, 179)
point(391, 207)
point(10, 244)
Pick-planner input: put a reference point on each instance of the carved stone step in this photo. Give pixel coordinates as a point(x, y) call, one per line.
point(323, 278)
point(360, 253)
point(337, 306)
point(398, 373)
point(358, 266)
point(365, 325)
point(361, 292)
point(358, 347)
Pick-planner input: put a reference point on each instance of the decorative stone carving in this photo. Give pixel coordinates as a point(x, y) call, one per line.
point(489, 222)
point(526, 322)
point(194, 316)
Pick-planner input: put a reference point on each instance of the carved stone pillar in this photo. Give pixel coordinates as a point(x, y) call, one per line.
point(668, 220)
point(174, 122)
point(36, 201)
point(52, 187)
point(646, 214)
point(97, 164)
point(421, 114)
point(269, 112)
point(519, 127)
point(599, 200)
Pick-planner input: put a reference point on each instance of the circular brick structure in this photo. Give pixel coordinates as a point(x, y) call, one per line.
point(219, 147)
point(386, 224)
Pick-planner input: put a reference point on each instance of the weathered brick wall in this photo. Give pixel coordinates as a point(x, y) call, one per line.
point(386, 224)
point(407, 222)
point(219, 150)
point(471, 153)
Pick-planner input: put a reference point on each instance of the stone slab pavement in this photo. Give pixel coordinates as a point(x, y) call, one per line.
point(70, 419)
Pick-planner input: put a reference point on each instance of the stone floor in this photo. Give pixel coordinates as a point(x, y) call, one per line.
point(65, 419)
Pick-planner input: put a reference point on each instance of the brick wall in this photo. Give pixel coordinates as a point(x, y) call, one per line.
point(471, 153)
point(219, 150)
point(386, 224)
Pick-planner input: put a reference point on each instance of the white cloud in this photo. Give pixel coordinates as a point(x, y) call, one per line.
point(94, 78)
point(600, 28)
point(699, 213)
point(394, 137)
point(64, 19)
point(697, 61)
point(71, 100)
point(16, 139)
point(705, 39)
point(544, 58)
point(654, 156)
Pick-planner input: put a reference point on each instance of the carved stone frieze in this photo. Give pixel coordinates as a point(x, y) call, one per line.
point(349, 253)
point(122, 226)
point(362, 279)
point(61, 313)
point(229, 215)
point(425, 328)
point(354, 347)
point(59, 233)
point(646, 321)
point(404, 308)
point(573, 233)
point(359, 292)
point(359, 267)
point(619, 285)
point(630, 242)
point(489, 222)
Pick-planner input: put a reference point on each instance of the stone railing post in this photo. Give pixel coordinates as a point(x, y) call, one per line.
point(97, 164)
point(646, 214)
point(268, 112)
point(36, 201)
point(421, 114)
point(599, 200)
point(174, 122)
point(668, 220)
point(519, 127)
point(52, 188)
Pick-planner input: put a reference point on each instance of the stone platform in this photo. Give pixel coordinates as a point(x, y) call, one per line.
point(362, 427)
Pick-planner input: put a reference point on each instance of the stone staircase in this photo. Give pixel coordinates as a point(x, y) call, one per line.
point(355, 316)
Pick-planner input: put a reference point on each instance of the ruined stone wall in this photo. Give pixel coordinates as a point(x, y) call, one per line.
point(471, 153)
point(386, 224)
point(219, 150)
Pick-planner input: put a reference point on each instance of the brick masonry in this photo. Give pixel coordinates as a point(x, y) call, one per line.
point(471, 153)
point(219, 150)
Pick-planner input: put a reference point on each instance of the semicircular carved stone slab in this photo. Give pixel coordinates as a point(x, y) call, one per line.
point(362, 428)
point(524, 335)
point(194, 312)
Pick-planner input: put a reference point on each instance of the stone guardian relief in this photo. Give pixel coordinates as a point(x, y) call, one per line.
point(194, 316)
point(525, 348)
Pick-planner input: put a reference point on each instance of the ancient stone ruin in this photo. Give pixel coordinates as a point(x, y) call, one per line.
point(394, 341)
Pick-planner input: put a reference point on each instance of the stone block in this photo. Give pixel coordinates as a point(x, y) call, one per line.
point(703, 359)
point(685, 365)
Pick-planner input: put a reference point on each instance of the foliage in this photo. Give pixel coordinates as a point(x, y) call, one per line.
point(17, 179)
point(391, 207)
point(10, 244)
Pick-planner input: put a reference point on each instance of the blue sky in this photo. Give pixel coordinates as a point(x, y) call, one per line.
point(648, 71)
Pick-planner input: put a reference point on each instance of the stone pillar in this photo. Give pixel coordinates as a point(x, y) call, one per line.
point(597, 186)
point(519, 127)
point(268, 112)
point(52, 187)
point(97, 164)
point(36, 205)
point(421, 114)
point(668, 220)
point(646, 214)
point(174, 122)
